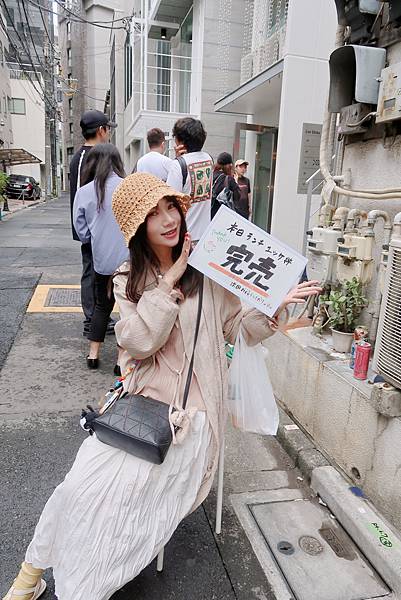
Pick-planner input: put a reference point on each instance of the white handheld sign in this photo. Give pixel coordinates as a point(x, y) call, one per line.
point(247, 261)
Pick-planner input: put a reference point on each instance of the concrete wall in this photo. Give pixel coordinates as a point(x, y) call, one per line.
point(375, 164)
point(29, 129)
point(336, 411)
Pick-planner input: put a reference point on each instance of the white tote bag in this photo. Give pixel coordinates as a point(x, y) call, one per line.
point(251, 401)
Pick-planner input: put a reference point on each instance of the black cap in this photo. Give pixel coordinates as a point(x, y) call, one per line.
point(225, 158)
point(92, 119)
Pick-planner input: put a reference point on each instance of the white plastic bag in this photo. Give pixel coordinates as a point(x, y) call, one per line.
point(251, 401)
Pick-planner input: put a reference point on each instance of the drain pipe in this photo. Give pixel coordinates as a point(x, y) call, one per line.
point(373, 216)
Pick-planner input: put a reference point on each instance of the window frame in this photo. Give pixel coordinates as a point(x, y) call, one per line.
point(12, 108)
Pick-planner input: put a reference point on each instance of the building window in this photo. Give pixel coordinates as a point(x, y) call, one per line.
point(70, 107)
point(4, 104)
point(71, 126)
point(1, 54)
point(69, 57)
point(127, 70)
point(68, 30)
point(16, 106)
point(163, 63)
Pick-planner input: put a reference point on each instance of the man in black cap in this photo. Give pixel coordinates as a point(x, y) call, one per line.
point(95, 127)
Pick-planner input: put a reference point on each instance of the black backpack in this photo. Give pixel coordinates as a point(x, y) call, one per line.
point(184, 169)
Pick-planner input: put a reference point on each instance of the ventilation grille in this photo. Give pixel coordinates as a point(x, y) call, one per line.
point(388, 353)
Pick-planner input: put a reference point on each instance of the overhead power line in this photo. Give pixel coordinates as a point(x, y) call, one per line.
point(42, 94)
point(78, 19)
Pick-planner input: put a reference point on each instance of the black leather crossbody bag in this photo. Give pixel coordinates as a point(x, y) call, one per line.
point(138, 424)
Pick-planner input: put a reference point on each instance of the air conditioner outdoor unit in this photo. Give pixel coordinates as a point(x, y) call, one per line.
point(387, 357)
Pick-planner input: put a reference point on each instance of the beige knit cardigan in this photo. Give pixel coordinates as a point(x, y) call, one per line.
point(144, 329)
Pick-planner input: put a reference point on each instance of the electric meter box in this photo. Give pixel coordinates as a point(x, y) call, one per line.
point(322, 249)
point(354, 258)
point(323, 240)
point(389, 104)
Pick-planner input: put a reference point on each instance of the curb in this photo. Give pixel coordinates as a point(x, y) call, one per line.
point(370, 531)
point(299, 446)
point(8, 214)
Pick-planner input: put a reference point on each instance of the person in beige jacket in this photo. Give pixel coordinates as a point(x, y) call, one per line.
point(114, 512)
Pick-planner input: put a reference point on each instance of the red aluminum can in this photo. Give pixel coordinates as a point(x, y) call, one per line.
point(362, 355)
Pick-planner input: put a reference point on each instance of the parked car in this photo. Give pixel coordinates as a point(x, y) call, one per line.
point(22, 186)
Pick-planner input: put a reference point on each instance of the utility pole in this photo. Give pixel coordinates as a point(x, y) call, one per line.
point(51, 113)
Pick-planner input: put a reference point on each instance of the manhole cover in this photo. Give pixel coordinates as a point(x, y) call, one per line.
point(316, 556)
point(63, 297)
point(310, 545)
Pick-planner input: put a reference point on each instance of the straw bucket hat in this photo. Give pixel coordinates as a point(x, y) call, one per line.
point(136, 195)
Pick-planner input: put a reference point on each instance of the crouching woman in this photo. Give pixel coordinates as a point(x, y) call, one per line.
point(114, 512)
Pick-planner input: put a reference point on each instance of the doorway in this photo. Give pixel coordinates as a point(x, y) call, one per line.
point(260, 142)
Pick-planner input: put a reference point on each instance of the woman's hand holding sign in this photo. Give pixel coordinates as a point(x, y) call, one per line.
point(300, 293)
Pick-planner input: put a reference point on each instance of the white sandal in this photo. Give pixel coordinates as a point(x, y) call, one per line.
point(37, 591)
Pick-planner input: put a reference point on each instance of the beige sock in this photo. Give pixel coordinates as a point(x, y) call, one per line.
point(27, 578)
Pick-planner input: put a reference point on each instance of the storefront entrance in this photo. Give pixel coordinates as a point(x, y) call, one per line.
point(258, 144)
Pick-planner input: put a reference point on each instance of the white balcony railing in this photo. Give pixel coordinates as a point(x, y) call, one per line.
point(167, 84)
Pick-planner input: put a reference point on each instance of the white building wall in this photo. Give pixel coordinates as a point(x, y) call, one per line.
point(29, 129)
point(309, 41)
point(5, 90)
point(98, 47)
point(221, 68)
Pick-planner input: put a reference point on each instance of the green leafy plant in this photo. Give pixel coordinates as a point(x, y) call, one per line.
point(3, 183)
point(344, 306)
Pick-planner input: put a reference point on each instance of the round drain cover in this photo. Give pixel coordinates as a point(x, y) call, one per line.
point(310, 545)
point(285, 547)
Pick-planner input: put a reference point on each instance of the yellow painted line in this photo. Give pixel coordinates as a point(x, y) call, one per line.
point(37, 303)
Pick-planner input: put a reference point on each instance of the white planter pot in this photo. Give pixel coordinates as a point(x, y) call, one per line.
point(342, 342)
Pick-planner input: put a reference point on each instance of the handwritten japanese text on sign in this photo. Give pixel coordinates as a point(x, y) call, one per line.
point(247, 261)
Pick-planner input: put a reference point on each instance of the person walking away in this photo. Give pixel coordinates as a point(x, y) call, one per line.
point(223, 178)
point(114, 512)
point(95, 127)
point(95, 224)
point(244, 206)
point(155, 162)
point(191, 173)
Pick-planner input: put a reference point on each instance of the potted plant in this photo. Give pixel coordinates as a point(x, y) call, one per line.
point(344, 307)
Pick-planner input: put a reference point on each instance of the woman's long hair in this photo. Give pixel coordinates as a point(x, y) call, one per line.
point(102, 160)
point(226, 169)
point(143, 261)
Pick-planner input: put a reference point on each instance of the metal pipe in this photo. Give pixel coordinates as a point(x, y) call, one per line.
point(340, 217)
point(397, 225)
point(373, 215)
point(353, 214)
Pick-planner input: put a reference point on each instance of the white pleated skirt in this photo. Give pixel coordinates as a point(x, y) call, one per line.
point(113, 513)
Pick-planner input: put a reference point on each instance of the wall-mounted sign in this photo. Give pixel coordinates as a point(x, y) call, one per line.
point(309, 158)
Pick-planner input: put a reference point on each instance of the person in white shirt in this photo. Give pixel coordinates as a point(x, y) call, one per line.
point(192, 173)
point(155, 162)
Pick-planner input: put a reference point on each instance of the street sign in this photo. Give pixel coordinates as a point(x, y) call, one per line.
point(247, 261)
